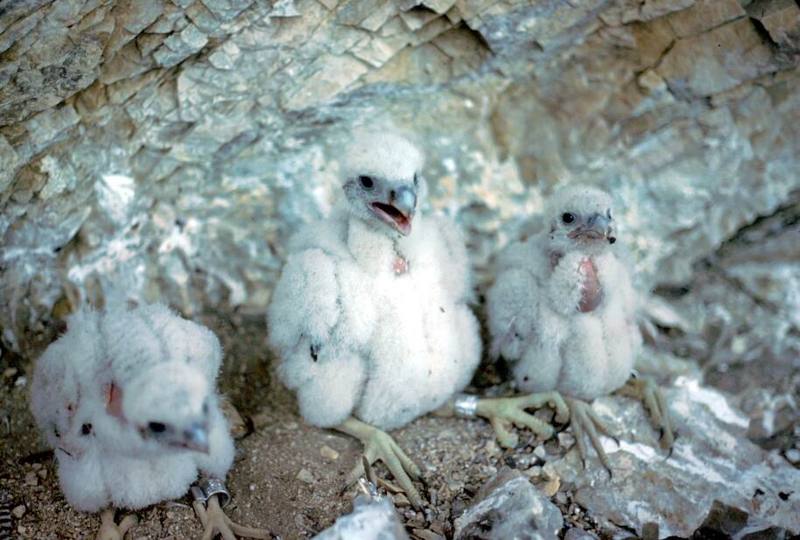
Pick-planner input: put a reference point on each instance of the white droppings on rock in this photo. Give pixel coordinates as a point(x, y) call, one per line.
point(713, 399)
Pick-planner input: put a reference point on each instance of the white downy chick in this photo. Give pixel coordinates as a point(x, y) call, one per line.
point(370, 317)
point(563, 310)
point(127, 399)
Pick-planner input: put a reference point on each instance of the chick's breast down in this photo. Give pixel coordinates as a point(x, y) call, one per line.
point(536, 323)
point(95, 389)
point(356, 338)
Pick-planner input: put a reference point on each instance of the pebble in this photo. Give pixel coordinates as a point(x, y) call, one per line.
point(540, 452)
point(566, 440)
point(304, 475)
point(18, 511)
point(534, 472)
point(793, 455)
point(9, 372)
point(329, 453)
point(42, 473)
point(31, 479)
point(401, 500)
point(550, 487)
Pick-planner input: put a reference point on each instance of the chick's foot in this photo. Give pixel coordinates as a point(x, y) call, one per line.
point(650, 394)
point(109, 530)
point(503, 413)
point(380, 446)
point(586, 423)
point(209, 510)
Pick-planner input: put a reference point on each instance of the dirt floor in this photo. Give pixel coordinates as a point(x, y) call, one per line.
point(288, 477)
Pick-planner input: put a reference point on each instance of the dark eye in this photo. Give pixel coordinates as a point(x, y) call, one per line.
point(86, 429)
point(566, 217)
point(156, 427)
point(366, 182)
point(416, 180)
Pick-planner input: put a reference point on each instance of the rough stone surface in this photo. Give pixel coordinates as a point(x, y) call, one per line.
point(711, 461)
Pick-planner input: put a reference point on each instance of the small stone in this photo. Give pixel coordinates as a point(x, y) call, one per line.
point(42, 473)
point(18, 511)
point(534, 472)
point(31, 479)
point(550, 487)
point(9, 372)
point(304, 475)
point(492, 448)
point(36, 466)
point(508, 506)
point(328, 453)
point(566, 440)
point(540, 452)
point(401, 500)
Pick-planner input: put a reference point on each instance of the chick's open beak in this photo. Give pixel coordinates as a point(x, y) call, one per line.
point(399, 210)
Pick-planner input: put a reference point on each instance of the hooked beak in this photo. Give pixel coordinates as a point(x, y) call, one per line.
point(194, 438)
point(399, 210)
point(597, 228)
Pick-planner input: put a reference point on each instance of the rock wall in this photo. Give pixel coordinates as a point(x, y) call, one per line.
point(171, 146)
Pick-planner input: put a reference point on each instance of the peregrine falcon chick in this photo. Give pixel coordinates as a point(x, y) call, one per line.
point(370, 315)
point(563, 312)
point(127, 399)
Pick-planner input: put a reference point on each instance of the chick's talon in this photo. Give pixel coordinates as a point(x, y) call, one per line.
point(650, 394)
point(379, 445)
point(586, 422)
point(109, 530)
point(503, 413)
point(215, 521)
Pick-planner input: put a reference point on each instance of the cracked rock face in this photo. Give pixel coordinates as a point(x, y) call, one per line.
point(171, 146)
